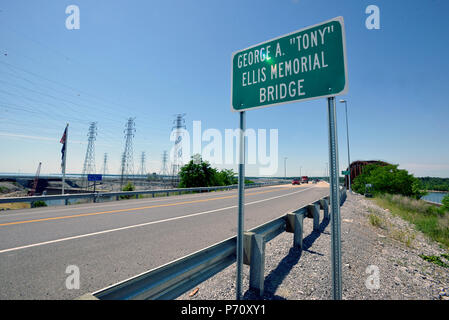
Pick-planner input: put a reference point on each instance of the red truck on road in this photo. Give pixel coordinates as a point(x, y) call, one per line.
point(304, 179)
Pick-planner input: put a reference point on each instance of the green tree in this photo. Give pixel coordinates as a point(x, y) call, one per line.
point(437, 184)
point(227, 177)
point(445, 203)
point(196, 173)
point(129, 187)
point(199, 173)
point(388, 179)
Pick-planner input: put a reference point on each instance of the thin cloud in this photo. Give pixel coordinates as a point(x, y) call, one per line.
point(28, 137)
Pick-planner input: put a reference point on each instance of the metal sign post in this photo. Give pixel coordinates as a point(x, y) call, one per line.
point(241, 211)
point(303, 65)
point(335, 201)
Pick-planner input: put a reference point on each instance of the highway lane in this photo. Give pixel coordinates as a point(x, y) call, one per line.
point(112, 241)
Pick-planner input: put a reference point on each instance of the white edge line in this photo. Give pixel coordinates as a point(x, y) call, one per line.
point(142, 224)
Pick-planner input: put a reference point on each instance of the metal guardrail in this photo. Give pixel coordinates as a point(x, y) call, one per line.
point(117, 195)
point(175, 278)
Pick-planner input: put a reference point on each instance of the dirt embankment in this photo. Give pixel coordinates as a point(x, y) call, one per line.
point(12, 189)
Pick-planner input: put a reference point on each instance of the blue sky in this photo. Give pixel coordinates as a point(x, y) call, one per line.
point(153, 59)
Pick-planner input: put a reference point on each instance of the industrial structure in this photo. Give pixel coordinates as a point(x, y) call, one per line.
point(127, 163)
point(142, 169)
point(179, 125)
point(164, 167)
point(356, 168)
point(89, 160)
point(105, 170)
point(36, 180)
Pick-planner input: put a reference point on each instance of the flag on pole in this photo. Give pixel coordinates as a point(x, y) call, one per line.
point(64, 142)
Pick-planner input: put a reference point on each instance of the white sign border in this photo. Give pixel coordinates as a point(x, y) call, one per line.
point(342, 92)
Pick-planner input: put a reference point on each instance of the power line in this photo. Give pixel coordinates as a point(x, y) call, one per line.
point(76, 90)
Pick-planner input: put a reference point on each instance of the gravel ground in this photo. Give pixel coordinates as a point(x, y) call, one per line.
point(392, 248)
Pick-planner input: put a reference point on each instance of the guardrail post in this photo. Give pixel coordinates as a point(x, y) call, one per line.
point(254, 256)
point(314, 212)
point(295, 223)
point(324, 205)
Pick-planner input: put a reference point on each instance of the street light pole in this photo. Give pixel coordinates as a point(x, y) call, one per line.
point(285, 167)
point(347, 139)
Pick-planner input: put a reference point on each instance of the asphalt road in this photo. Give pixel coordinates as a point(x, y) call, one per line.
point(112, 241)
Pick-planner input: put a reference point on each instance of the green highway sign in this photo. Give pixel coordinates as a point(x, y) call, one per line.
point(345, 173)
point(303, 65)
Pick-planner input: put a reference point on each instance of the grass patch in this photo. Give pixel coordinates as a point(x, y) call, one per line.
point(14, 206)
point(38, 204)
point(428, 219)
point(403, 236)
point(376, 221)
point(435, 259)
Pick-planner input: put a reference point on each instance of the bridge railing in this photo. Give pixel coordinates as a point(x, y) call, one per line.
point(175, 278)
point(126, 194)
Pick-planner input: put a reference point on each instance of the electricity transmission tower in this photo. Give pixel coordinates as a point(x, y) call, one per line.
point(164, 169)
point(127, 165)
point(89, 160)
point(105, 165)
point(179, 124)
point(142, 169)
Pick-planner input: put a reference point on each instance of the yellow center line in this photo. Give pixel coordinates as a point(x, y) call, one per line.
point(133, 209)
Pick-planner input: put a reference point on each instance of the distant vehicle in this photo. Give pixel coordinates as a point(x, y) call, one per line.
point(369, 190)
point(296, 181)
point(315, 181)
point(304, 179)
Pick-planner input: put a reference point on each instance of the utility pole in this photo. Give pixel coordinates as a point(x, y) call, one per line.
point(89, 160)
